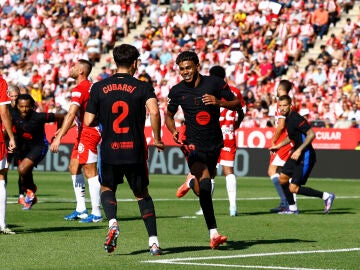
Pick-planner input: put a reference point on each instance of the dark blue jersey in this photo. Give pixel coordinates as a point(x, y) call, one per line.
point(119, 103)
point(296, 127)
point(202, 121)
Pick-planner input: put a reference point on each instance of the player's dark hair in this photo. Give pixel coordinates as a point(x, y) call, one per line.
point(218, 71)
point(187, 56)
point(286, 84)
point(125, 54)
point(285, 97)
point(26, 97)
point(86, 65)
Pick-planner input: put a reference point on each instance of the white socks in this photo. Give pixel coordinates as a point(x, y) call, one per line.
point(325, 195)
point(212, 186)
point(79, 189)
point(213, 232)
point(112, 221)
point(153, 240)
point(231, 190)
point(2, 204)
point(94, 189)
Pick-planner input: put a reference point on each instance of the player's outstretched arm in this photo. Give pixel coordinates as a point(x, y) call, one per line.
point(155, 120)
point(170, 124)
point(66, 124)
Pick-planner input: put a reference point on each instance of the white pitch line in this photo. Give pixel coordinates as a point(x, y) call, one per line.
point(184, 260)
point(247, 266)
point(68, 200)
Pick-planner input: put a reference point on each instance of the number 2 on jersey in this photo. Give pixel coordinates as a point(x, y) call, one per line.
point(123, 114)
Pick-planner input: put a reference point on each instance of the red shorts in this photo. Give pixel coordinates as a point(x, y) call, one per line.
point(3, 156)
point(227, 153)
point(279, 157)
point(85, 147)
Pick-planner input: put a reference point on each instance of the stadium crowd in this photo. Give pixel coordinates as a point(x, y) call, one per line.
point(256, 45)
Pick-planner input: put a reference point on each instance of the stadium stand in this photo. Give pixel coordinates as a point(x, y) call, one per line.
point(313, 43)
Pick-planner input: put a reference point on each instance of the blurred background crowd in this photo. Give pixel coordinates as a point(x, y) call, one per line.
point(257, 43)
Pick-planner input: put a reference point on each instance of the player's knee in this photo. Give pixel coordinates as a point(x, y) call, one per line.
point(141, 194)
point(90, 170)
point(205, 185)
point(293, 188)
point(283, 179)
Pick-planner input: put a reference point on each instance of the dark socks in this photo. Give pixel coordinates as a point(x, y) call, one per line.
point(206, 203)
point(307, 191)
point(109, 204)
point(147, 211)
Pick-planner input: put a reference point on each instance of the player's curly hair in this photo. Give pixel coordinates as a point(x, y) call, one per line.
point(26, 97)
point(187, 56)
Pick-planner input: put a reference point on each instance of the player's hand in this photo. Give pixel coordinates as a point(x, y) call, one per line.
point(55, 143)
point(273, 149)
point(209, 99)
point(12, 146)
point(176, 137)
point(159, 145)
point(295, 155)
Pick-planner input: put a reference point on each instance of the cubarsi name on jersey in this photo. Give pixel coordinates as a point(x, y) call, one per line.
point(118, 87)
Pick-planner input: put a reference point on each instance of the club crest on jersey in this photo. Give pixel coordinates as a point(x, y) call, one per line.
point(81, 148)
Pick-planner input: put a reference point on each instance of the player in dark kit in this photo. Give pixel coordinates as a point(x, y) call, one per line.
point(200, 98)
point(120, 103)
point(31, 142)
point(298, 167)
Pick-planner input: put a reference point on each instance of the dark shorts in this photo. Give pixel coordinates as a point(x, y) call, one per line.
point(36, 153)
point(210, 158)
point(300, 170)
point(137, 176)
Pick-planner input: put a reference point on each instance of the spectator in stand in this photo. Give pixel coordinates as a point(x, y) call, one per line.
point(293, 48)
point(104, 74)
point(266, 69)
point(354, 113)
point(348, 29)
point(306, 34)
point(324, 55)
point(320, 21)
point(333, 9)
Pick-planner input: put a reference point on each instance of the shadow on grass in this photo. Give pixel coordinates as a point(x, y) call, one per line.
point(53, 229)
point(230, 245)
point(337, 211)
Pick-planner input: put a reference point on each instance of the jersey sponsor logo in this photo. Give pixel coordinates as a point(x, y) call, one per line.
point(118, 87)
point(203, 118)
point(27, 136)
point(122, 145)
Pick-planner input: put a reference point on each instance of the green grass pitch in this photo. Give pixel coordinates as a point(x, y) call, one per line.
point(257, 239)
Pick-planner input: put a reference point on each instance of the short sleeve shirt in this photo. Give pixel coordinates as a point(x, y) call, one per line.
point(119, 104)
point(202, 122)
point(296, 127)
point(80, 96)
